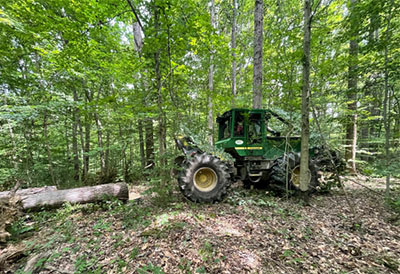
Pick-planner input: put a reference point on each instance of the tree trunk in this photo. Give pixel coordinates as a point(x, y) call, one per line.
point(82, 147)
point(14, 144)
point(386, 102)
point(100, 139)
point(107, 154)
point(28, 191)
point(305, 100)
point(396, 129)
point(100, 142)
point(258, 53)
point(75, 196)
point(141, 144)
point(161, 115)
point(149, 142)
point(66, 136)
point(86, 159)
point(211, 82)
point(75, 139)
point(29, 162)
point(351, 127)
point(233, 49)
point(47, 145)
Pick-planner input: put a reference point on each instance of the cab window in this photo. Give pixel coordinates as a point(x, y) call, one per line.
point(224, 129)
point(255, 135)
point(239, 125)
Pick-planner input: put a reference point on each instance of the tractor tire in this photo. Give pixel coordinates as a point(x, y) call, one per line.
point(287, 169)
point(204, 178)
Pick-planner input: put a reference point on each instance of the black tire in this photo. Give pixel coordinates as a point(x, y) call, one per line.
point(286, 169)
point(204, 178)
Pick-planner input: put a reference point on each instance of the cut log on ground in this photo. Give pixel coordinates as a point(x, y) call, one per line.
point(28, 191)
point(10, 254)
point(75, 196)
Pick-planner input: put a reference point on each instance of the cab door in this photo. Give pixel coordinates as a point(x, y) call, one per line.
point(255, 133)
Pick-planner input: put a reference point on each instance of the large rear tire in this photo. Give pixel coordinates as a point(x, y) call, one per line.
point(204, 178)
point(286, 170)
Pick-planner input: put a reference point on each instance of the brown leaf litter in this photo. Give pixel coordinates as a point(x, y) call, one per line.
point(251, 232)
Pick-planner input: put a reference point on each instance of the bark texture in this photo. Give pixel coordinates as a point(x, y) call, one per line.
point(305, 100)
point(233, 49)
point(351, 128)
point(75, 196)
point(258, 54)
point(28, 191)
point(75, 138)
point(149, 142)
point(211, 82)
point(386, 103)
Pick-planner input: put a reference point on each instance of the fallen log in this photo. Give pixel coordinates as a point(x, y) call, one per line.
point(28, 191)
point(75, 196)
point(9, 255)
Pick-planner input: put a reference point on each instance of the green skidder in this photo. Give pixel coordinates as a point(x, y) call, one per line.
point(262, 156)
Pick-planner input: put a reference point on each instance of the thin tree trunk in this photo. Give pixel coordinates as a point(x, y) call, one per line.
point(14, 154)
point(107, 154)
point(305, 101)
point(100, 142)
point(233, 49)
point(100, 138)
point(211, 82)
point(75, 139)
point(141, 144)
point(30, 161)
point(386, 112)
point(124, 160)
point(137, 34)
point(397, 117)
point(149, 142)
point(47, 145)
point(364, 129)
point(66, 136)
point(12, 138)
point(82, 147)
point(351, 127)
point(161, 115)
point(86, 159)
point(258, 53)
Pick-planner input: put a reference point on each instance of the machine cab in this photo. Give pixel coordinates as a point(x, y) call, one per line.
point(241, 131)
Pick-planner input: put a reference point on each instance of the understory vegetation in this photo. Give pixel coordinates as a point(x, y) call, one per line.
point(252, 231)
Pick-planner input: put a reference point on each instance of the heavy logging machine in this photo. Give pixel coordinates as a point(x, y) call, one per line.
point(262, 157)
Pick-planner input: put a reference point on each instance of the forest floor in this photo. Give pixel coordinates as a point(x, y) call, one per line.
point(350, 231)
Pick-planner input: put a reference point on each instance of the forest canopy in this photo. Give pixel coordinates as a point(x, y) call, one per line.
point(95, 91)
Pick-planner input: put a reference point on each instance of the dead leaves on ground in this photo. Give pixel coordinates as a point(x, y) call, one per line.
point(251, 232)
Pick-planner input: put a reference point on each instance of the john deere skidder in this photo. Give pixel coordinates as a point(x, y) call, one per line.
point(262, 156)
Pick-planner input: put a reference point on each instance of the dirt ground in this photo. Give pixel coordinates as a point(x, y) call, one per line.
point(349, 231)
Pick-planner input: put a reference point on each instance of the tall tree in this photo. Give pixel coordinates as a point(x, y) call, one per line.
point(86, 157)
point(233, 49)
point(305, 100)
point(351, 125)
point(386, 100)
point(258, 53)
point(211, 80)
point(75, 115)
point(161, 114)
point(48, 148)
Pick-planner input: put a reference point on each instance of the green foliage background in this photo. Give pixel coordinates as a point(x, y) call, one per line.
point(64, 63)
